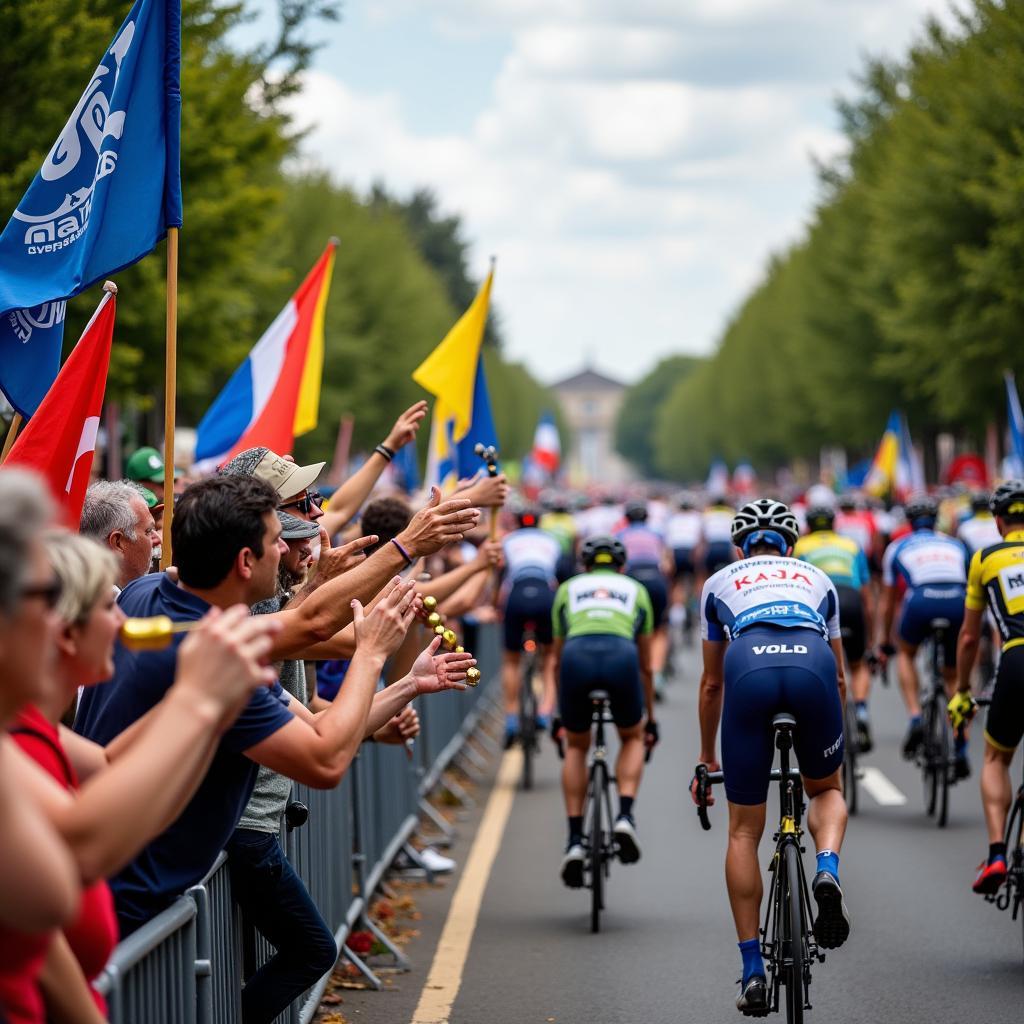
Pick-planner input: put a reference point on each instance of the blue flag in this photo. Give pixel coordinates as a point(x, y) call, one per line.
point(462, 461)
point(107, 192)
point(1015, 423)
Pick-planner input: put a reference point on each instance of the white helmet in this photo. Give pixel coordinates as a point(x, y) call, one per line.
point(765, 515)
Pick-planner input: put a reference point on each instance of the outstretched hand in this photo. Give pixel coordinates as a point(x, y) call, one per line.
point(437, 524)
point(406, 426)
point(432, 672)
point(383, 630)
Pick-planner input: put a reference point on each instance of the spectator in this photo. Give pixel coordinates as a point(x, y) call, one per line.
point(146, 467)
point(227, 548)
point(116, 514)
point(134, 797)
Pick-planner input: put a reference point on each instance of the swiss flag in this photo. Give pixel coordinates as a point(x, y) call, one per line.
point(60, 439)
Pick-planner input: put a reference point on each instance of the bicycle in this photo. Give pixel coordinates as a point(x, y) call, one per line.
point(528, 703)
point(851, 749)
point(598, 841)
point(935, 756)
point(1011, 893)
point(787, 937)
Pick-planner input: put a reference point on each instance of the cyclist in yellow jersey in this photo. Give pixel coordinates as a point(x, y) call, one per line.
point(996, 575)
point(561, 524)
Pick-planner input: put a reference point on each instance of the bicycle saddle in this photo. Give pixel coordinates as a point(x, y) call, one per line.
point(597, 696)
point(940, 624)
point(784, 721)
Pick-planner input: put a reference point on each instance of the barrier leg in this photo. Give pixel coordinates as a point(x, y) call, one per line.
point(448, 831)
point(402, 962)
point(458, 792)
point(362, 968)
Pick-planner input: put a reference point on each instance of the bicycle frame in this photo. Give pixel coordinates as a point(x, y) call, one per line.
point(528, 702)
point(597, 811)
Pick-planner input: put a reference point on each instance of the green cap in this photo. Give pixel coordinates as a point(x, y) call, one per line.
point(151, 499)
point(146, 464)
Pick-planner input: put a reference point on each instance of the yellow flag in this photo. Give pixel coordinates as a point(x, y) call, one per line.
point(308, 407)
point(449, 372)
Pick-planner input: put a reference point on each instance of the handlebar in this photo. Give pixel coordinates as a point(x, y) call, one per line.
point(706, 779)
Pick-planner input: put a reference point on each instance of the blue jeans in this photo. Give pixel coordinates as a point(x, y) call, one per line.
point(274, 901)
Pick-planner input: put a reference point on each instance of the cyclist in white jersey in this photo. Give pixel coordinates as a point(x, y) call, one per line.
point(933, 569)
point(682, 537)
point(528, 591)
point(979, 530)
point(716, 542)
point(770, 626)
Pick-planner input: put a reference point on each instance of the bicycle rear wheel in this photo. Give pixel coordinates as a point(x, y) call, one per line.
point(794, 921)
point(527, 720)
point(943, 750)
point(850, 750)
point(1015, 858)
point(928, 760)
point(596, 852)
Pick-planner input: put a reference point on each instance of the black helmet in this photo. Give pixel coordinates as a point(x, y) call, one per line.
point(765, 516)
point(1008, 499)
point(527, 516)
point(919, 507)
point(603, 550)
point(847, 502)
point(636, 511)
point(821, 517)
point(979, 501)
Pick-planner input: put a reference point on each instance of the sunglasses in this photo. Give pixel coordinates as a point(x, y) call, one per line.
point(305, 504)
point(50, 592)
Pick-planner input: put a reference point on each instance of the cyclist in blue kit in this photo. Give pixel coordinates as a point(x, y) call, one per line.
point(770, 627)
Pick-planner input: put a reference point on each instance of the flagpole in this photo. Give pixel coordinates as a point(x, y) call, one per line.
point(12, 436)
point(170, 391)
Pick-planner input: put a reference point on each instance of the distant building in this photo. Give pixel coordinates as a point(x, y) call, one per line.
point(590, 403)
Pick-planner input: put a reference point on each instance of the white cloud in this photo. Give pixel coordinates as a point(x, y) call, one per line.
point(632, 166)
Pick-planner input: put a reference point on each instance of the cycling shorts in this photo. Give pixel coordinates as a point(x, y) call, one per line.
point(851, 622)
point(656, 586)
point(529, 602)
point(933, 601)
point(598, 661)
point(717, 555)
point(566, 568)
point(685, 567)
point(768, 671)
point(1004, 725)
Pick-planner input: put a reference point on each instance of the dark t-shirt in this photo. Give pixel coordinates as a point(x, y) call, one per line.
point(182, 855)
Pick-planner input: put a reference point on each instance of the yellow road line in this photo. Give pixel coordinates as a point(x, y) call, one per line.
point(445, 976)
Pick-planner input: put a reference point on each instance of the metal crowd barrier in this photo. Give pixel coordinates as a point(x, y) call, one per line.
point(186, 965)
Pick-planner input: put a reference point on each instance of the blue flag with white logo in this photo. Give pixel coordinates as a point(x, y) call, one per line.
point(107, 192)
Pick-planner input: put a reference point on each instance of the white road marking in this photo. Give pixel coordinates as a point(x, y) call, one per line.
point(879, 788)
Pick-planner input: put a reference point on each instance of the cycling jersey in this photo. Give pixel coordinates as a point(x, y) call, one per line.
point(562, 527)
point(599, 521)
point(716, 524)
point(768, 590)
point(643, 546)
point(602, 602)
point(977, 532)
point(683, 530)
point(530, 553)
point(859, 525)
point(922, 558)
point(838, 557)
point(997, 574)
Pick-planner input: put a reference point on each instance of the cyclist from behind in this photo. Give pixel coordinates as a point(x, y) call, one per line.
point(770, 626)
point(561, 524)
point(603, 623)
point(846, 566)
point(978, 530)
point(648, 561)
point(682, 537)
point(716, 542)
point(933, 569)
point(528, 590)
point(996, 575)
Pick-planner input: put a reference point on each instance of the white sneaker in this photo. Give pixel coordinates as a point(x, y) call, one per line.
point(624, 832)
point(438, 863)
point(572, 866)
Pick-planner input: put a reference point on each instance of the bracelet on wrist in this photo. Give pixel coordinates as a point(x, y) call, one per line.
point(405, 554)
point(385, 452)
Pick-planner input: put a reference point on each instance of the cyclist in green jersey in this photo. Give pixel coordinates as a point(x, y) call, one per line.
point(603, 623)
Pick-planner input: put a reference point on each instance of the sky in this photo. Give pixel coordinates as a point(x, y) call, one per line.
point(632, 165)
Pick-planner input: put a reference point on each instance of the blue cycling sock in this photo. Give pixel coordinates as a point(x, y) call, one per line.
point(861, 705)
point(752, 962)
point(915, 720)
point(829, 861)
point(511, 723)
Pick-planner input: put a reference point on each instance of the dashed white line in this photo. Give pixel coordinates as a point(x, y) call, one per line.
point(880, 789)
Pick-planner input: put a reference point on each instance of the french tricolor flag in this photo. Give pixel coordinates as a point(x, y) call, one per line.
point(274, 396)
point(547, 446)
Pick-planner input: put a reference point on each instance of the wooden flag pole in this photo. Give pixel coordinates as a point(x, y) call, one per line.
point(170, 391)
point(12, 436)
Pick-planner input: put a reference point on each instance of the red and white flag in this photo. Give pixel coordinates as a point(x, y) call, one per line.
point(60, 439)
point(547, 446)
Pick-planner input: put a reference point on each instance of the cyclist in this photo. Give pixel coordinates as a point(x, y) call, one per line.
point(602, 623)
point(770, 626)
point(856, 521)
point(682, 536)
point(531, 558)
point(847, 566)
point(561, 524)
point(933, 568)
point(996, 575)
point(648, 561)
point(716, 547)
point(978, 530)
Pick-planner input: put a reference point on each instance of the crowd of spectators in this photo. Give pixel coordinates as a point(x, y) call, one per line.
point(124, 771)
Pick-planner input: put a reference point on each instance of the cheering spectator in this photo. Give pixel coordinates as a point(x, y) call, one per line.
point(117, 515)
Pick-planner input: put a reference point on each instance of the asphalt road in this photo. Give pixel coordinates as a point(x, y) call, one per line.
point(923, 949)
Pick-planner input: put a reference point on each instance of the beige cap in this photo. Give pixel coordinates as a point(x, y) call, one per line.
point(288, 478)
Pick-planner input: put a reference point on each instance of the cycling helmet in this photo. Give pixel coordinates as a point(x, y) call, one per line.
point(1008, 499)
point(765, 520)
point(527, 516)
point(921, 508)
point(636, 511)
point(686, 502)
point(603, 550)
point(979, 501)
point(821, 517)
point(847, 502)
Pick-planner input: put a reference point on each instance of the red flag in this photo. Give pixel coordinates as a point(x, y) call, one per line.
point(60, 439)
